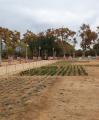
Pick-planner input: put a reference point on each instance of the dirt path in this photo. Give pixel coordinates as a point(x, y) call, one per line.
point(72, 98)
point(93, 71)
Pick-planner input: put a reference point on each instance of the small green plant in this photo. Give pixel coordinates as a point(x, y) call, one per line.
point(83, 70)
point(59, 69)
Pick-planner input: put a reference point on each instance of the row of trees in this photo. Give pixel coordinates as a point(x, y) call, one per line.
point(52, 42)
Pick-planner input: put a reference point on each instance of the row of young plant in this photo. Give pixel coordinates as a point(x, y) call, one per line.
point(59, 70)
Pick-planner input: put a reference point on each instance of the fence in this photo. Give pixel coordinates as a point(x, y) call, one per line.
point(16, 68)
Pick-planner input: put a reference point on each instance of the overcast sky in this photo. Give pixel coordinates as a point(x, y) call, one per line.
point(38, 15)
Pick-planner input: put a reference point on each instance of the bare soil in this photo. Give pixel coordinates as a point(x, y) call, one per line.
point(50, 98)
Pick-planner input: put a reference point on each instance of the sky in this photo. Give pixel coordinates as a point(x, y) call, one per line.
point(39, 15)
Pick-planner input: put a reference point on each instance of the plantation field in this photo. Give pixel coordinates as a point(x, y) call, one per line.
point(51, 97)
point(62, 68)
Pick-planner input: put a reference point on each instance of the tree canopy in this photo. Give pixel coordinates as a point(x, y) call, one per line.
point(61, 41)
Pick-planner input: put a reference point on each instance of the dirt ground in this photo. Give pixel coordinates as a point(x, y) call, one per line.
point(51, 98)
point(88, 63)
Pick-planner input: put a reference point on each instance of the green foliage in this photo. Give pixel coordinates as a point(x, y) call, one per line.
point(10, 51)
point(59, 69)
point(96, 48)
point(46, 42)
point(51, 42)
point(88, 37)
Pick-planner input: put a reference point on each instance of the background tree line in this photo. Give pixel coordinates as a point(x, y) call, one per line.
point(53, 42)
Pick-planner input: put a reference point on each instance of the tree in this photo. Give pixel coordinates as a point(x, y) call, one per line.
point(96, 43)
point(96, 49)
point(10, 38)
point(31, 39)
point(63, 34)
point(88, 37)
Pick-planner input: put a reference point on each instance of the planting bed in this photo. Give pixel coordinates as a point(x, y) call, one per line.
point(18, 94)
point(58, 69)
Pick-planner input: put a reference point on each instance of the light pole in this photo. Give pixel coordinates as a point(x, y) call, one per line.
point(53, 53)
point(33, 54)
point(26, 52)
point(39, 52)
point(74, 45)
point(19, 44)
point(74, 52)
point(64, 55)
point(0, 50)
point(20, 48)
